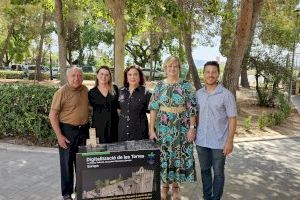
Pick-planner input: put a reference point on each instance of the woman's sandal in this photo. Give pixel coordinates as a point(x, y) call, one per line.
point(164, 192)
point(176, 192)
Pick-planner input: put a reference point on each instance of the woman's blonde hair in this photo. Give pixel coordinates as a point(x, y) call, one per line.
point(170, 60)
point(110, 83)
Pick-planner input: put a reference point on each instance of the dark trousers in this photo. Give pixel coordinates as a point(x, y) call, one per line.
point(212, 159)
point(77, 136)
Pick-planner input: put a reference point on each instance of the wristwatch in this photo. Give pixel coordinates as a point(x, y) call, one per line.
point(193, 126)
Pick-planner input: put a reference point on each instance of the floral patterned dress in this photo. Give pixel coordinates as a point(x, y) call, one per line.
point(177, 161)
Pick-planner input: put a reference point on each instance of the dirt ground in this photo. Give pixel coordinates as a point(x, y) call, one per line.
point(246, 101)
point(247, 106)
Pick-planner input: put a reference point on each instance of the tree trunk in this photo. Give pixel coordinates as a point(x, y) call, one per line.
point(38, 75)
point(188, 75)
point(6, 42)
point(50, 62)
point(117, 8)
point(80, 57)
point(44, 57)
point(240, 43)
point(70, 57)
point(7, 61)
point(61, 41)
point(181, 53)
point(257, 6)
point(187, 39)
point(244, 75)
point(186, 32)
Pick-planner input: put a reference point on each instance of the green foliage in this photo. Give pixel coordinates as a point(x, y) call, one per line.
point(229, 17)
point(183, 71)
point(284, 105)
point(89, 76)
point(262, 120)
point(21, 19)
point(24, 110)
point(200, 73)
point(278, 23)
point(276, 118)
point(92, 33)
point(91, 61)
point(5, 74)
point(247, 123)
point(45, 76)
point(86, 76)
point(270, 66)
point(105, 59)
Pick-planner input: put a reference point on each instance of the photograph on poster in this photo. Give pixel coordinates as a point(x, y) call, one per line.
point(120, 181)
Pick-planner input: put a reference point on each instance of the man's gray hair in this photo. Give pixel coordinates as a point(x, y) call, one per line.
point(73, 68)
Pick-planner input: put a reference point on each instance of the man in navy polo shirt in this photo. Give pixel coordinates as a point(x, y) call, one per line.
point(215, 132)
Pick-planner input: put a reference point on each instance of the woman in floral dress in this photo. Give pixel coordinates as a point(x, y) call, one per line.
point(173, 125)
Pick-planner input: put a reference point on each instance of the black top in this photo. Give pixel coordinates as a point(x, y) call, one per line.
point(133, 124)
point(105, 116)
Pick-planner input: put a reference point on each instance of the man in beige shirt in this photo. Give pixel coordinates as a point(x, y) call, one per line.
point(69, 119)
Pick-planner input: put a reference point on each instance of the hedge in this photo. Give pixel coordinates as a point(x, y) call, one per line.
point(89, 76)
point(5, 74)
point(45, 76)
point(86, 76)
point(24, 110)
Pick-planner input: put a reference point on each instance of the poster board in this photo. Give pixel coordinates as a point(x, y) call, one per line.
point(124, 170)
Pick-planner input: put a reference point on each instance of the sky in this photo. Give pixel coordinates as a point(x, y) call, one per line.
point(207, 53)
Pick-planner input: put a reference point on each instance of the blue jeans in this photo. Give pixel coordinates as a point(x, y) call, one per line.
point(212, 159)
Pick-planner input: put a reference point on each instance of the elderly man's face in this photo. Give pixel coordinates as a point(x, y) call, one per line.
point(75, 78)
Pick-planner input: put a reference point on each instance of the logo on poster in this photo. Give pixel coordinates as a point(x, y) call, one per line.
point(151, 158)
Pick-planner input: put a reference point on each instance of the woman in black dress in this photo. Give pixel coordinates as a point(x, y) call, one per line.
point(134, 99)
point(104, 100)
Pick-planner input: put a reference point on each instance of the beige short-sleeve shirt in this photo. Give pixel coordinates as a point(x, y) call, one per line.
point(72, 105)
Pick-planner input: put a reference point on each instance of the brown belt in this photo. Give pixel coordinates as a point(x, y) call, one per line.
point(178, 109)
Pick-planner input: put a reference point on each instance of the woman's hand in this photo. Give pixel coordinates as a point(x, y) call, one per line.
point(152, 135)
point(191, 135)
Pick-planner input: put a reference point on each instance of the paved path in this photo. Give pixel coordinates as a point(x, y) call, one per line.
point(265, 169)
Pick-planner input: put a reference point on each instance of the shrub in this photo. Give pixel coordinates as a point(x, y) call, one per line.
point(284, 105)
point(86, 76)
point(247, 123)
point(89, 76)
point(5, 74)
point(262, 120)
point(45, 76)
point(278, 117)
point(275, 118)
point(24, 110)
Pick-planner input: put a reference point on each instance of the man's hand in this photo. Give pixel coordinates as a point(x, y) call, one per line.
point(63, 141)
point(228, 148)
point(191, 135)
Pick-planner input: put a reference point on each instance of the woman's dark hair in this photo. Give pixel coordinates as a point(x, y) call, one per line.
point(213, 63)
point(110, 83)
point(141, 75)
